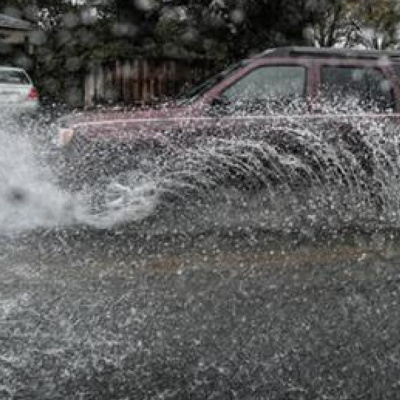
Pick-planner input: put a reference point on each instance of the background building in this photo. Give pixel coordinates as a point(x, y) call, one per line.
point(15, 37)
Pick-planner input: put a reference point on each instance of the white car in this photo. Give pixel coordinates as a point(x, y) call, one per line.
point(17, 92)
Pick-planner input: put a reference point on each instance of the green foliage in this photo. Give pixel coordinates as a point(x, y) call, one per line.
point(68, 38)
point(235, 27)
point(380, 24)
point(71, 36)
point(371, 24)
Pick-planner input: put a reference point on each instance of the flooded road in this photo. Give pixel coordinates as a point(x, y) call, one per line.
point(249, 293)
point(90, 314)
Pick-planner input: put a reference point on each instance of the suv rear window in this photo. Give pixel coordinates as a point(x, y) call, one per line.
point(13, 77)
point(368, 86)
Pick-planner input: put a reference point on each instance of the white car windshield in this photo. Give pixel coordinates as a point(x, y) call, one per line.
point(13, 77)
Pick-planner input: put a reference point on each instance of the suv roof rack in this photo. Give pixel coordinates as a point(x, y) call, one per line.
point(325, 52)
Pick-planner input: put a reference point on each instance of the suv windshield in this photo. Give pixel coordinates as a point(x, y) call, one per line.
point(13, 77)
point(198, 90)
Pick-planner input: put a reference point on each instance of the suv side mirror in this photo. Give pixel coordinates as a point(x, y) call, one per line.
point(220, 101)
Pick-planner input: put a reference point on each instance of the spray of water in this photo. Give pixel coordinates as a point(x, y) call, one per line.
point(29, 195)
point(293, 174)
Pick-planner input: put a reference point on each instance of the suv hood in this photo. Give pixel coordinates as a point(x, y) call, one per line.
point(122, 117)
point(129, 124)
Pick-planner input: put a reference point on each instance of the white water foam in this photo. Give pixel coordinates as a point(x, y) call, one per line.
point(31, 198)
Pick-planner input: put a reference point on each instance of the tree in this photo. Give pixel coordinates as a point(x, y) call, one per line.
point(366, 23)
point(69, 35)
point(331, 23)
point(379, 27)
point(270, 23)
point(239, 27)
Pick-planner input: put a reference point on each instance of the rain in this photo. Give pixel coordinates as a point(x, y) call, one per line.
point(199, 199)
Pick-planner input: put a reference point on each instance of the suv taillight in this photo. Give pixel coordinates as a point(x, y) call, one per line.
point(33, 94)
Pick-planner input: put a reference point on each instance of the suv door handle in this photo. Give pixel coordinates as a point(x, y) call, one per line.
point(315, 108)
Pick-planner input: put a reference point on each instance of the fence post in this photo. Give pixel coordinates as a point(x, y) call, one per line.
point(126, 79)
point(118, 79)
point(135, 77)
point(144, 80)
point(89, 87)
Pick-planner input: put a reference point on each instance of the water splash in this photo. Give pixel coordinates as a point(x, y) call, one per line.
point(295, 174)
point(29, 195)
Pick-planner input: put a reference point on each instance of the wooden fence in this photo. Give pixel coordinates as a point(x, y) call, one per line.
point(140, 81)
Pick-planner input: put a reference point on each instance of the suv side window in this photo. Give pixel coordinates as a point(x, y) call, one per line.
point(279, 83)
point(368, 86)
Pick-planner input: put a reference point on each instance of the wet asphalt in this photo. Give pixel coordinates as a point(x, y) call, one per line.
point(218, 315)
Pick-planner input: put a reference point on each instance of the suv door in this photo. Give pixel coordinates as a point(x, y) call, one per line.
point(355, 87)
point(267, 89)
point(264, 88)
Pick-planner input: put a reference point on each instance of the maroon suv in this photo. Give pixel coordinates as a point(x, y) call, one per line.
point(290, 85)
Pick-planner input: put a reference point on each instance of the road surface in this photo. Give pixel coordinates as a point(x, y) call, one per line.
point(218, 315)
